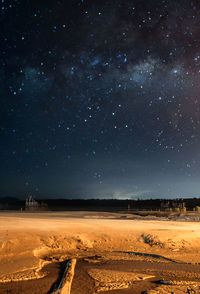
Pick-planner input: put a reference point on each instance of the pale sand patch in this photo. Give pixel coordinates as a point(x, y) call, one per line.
point(106, 280)
point(26, 274)
point(177, 288)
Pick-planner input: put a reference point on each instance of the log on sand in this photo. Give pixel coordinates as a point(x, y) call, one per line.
point(66, 281)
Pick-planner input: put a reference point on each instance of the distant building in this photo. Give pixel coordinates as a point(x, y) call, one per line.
point(172, 204)
point(33, 205)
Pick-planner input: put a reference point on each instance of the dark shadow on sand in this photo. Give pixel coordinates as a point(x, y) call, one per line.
point(55, 285)
point(157, 256)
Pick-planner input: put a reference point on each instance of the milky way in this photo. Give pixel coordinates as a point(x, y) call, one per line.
point(100, 98)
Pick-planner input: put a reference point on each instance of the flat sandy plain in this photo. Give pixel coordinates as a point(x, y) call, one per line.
point(115, 252)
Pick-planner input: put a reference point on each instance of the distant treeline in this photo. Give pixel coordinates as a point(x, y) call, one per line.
point(10, 203)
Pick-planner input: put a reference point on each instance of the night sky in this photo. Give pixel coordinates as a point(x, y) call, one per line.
point(100, 99)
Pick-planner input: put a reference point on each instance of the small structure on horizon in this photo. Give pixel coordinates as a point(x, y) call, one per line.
point(173, 204)
point(33, 205)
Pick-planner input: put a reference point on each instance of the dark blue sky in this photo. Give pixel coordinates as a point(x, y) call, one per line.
point(100, 98)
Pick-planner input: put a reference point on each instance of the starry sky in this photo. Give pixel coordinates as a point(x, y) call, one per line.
point(100, 99)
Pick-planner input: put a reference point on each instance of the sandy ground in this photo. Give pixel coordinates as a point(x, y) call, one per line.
point(131, 254)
